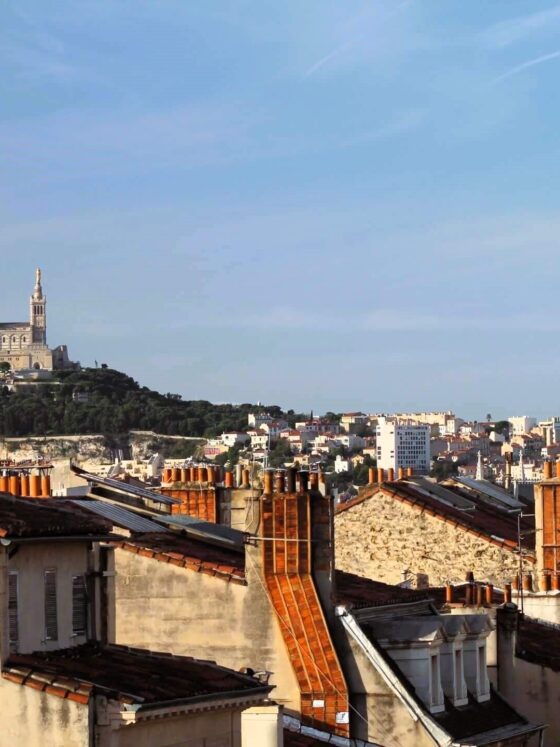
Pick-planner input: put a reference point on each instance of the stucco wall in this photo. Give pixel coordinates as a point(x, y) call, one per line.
point(382, 537)
point(537, 696)
point(379, 716)
point(30, 561)
point(211, 729)
point(165, 608)
point(34, 719)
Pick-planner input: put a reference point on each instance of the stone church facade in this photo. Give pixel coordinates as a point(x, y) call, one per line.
point(23, 345)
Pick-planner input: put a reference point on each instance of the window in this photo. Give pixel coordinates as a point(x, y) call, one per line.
point(13, 629)
point(434, 680)
point(51, 617)
point(79, 605)
point(458, 674)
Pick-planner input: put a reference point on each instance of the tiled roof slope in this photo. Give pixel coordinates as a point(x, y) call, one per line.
point(188, 553)
point(539, 642)
point(287, 571)
point(484, 521)
point(478, 718)
point(125, 674)
point(30, 517)
point(362, 592)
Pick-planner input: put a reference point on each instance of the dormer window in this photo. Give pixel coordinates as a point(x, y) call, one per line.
point(474, 647)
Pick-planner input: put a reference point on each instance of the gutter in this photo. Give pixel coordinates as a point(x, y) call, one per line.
point(139, 708)
point(7, 541)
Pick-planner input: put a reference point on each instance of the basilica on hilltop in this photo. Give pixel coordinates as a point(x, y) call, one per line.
point(23, 345)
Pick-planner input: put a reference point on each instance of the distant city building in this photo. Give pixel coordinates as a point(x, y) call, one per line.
point(550, 430)
point(351, 421)
point(23, 345)
point(521, 424)
point(256, 420)
point(234, 438)
point(404, 446)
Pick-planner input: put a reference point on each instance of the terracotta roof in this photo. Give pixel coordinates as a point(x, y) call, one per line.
point(360, 591)
point(477, 718)
point(485, 521)
point(36, 517)
point(365, 592)
point(125, 674)
point(539, 642)
point(185, 552)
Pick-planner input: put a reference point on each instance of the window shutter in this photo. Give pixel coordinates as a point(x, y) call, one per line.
point(51, 617)
point(13, 631)
point(79, 605)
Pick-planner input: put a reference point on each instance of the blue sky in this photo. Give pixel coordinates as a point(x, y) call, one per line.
point(327, 205)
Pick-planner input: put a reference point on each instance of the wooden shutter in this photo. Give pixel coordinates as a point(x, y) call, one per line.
point(51, 617)
point(13, 630)
point(79, 605)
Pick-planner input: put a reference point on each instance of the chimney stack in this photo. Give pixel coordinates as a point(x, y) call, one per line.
point(547, 470)
point(291, 480)
point(380, 475)
point(390, 474)
point(267, 482)
point(279, 482)
point(228, 480)
point(401, 473)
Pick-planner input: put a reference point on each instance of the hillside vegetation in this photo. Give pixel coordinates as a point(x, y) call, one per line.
point(116, 405)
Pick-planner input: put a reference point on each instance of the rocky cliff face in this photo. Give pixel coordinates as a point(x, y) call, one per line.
point(93, 447)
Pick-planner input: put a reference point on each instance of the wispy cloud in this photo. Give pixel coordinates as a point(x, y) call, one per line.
point(327, 58)
point(526, 65)
point(508, 32)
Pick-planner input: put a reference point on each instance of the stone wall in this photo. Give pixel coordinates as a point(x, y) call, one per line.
point(382, 537)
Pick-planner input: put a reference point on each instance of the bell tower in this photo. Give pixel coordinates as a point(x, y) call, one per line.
point(38, 312)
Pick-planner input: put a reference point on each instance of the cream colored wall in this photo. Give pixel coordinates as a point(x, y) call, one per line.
point(382, 718)
point(34, 719)
point(536, 695)
point(382, 537)
point(165, 608)
point(31, 561)
point(210, 729)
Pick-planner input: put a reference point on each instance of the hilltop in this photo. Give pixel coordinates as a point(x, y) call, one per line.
point(106, 401)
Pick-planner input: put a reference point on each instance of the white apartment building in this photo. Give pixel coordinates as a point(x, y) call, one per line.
point(400, 445)
point(233, 438)
point(521, 424)
point(550, 430)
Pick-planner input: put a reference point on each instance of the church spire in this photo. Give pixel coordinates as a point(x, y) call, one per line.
point(38, 290)
point(479, 468)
